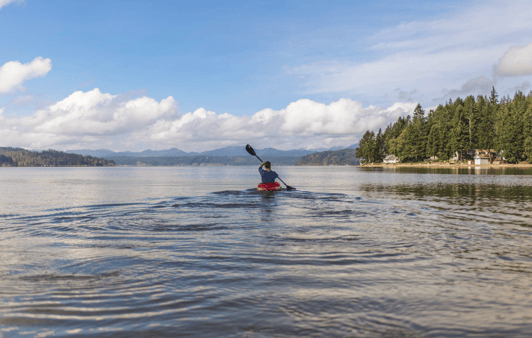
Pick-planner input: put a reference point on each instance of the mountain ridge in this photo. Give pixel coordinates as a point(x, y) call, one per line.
point(226, 151)
point(345, 156)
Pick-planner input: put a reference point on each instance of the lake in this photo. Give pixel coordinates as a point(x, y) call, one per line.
point(197, 251)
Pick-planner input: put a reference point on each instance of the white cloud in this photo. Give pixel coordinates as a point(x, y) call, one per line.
point(302, 124)
point(516, 61)
point(118, 122)
point(427, 55)
point(13, 73)
point(7, 2)
point(96, 113)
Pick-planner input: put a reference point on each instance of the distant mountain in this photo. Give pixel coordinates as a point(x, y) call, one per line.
point(227, 151)
point(230, 151)
point(325, 158)
point(94, 153)
point(275, 152)
point(161, 153)
point(241, 151)
point(145, 153)
point(202, 160)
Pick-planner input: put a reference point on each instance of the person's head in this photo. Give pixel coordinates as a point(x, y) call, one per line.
point(268, 165)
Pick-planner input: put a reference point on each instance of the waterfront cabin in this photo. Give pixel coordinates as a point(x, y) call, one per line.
point(482, 159)
point(391, 159)
point(493, 156)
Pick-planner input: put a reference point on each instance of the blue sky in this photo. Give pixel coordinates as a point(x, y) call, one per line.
point(131, 75)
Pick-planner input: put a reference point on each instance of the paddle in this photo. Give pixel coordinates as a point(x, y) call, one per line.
point(250, 150)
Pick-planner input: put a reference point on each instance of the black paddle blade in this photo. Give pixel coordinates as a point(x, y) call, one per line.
point(287, 186)
point(250, 150)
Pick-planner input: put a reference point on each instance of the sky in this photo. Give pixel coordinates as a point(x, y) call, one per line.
point(200, 75)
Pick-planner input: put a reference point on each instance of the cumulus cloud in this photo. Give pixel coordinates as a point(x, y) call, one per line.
point(96, 113)
point(84, 118)
point(119, 122)
point(515, 62)
point(13, 73)
point(303, 123)
point(7, 2)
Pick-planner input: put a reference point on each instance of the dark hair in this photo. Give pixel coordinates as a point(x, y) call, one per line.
point(267, 165)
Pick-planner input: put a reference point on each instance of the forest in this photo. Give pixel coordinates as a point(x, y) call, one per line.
point(455, 129)
point(18, 157)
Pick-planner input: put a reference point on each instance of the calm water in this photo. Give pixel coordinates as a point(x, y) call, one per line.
point(166, 252)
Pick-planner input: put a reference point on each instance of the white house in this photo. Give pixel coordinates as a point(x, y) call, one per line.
point(482, 159)
point(391, 159)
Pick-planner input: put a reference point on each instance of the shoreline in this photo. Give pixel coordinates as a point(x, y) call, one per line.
point(447, 165)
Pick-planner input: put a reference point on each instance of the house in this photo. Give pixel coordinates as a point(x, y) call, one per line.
point(391, 159)
point(482, 159)
point(493, 156)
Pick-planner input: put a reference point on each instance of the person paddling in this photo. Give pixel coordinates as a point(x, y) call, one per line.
point(268, 177)
point(250, 151)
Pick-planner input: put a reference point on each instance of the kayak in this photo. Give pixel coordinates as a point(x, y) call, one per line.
point(269, 186)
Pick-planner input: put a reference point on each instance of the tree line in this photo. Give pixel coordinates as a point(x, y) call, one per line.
point(18, 157)
point(456, 128)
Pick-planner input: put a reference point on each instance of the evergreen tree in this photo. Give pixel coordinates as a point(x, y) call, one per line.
point(508, 133)
point(392, 134)
point(431, 149)
point(403, 148)
point(494, 96)
point(378, 149)
point(365, 146)
point(527, 130)
point(460, 129)
point(472, 115)
point(485, 131)
point(418, 138)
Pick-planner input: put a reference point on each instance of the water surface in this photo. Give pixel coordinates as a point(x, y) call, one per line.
point(198, 252)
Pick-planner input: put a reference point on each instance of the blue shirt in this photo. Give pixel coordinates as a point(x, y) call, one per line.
point(267, 176)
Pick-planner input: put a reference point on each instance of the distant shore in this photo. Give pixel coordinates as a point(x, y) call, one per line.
point(438, 165)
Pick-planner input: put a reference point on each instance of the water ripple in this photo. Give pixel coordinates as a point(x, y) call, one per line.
point(386, 260)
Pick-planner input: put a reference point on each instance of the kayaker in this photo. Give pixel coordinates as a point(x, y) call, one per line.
point(267, 176)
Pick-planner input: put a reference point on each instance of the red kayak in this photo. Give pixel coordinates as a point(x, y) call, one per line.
point(269, 186)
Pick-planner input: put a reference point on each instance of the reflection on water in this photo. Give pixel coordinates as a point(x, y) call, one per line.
point(472, 170)
point(199, 252)
point(455, 193)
